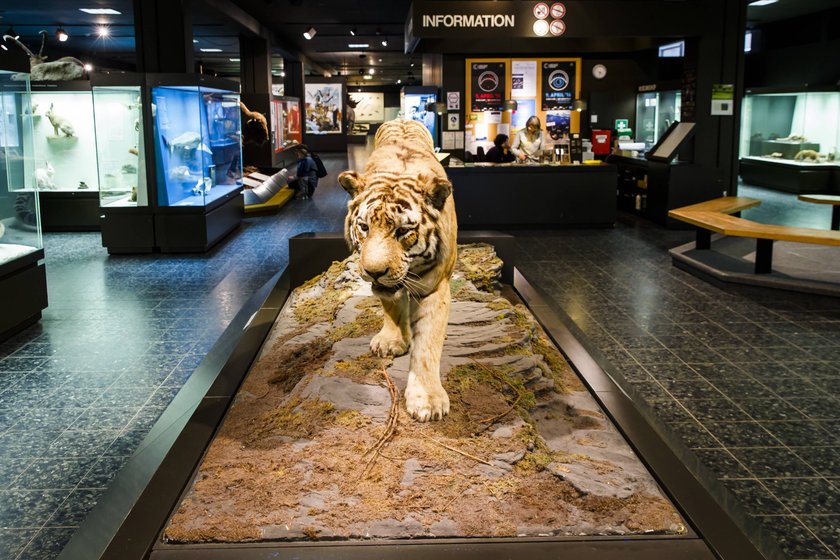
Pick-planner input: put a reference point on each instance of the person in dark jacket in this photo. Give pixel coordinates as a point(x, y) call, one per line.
point(500, 152)
point(306, 175)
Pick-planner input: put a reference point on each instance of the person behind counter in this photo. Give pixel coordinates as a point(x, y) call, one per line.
point(528, 143)
point(500, 152)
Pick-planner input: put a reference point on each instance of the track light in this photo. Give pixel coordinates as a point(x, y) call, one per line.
point(88, 67)
point(61, 35)
point(384, 42)
point(309, 33)
point(103, 31)
point(353, 32)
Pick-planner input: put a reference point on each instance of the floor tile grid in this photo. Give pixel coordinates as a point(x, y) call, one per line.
point(590, 276)
point(174, 305)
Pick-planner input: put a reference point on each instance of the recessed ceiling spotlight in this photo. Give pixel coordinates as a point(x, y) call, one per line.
point(283, 74)
point(379, 59)
point(61, 35)
point(309, 33)
point(353, 32)
point(103, 31)
point(100, 11)
point(412, 63)
point(88, 66)
point(372, 71)
point(399, 81)
point(384, 42)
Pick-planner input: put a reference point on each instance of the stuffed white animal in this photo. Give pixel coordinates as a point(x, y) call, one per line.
point(44, 177)
point(60, 123)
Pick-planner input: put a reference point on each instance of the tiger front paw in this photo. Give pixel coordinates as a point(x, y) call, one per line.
point(425, 405)
point(387, 344)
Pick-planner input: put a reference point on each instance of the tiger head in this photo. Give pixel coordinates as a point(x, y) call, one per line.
point(394, 222)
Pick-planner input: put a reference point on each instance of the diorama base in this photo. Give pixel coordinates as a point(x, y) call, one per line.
point(128, 230)
point(128, 521)
point(797, 267)
point(790, 176)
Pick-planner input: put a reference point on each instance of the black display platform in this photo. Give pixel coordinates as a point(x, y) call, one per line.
point(197, 229)
point(69, 210)
point(127, 521)
point(524, 195)
point(128, 230)
point(797, 178)
point(23, 285)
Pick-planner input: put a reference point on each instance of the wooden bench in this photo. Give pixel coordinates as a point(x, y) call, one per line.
point(714, 216)
point(832, 199)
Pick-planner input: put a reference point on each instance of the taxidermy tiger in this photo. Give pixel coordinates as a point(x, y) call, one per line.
point(401, 221)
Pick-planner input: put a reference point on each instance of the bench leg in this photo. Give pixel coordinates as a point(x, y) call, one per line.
point(835, 217)
point(704, 239)
point(763, 256)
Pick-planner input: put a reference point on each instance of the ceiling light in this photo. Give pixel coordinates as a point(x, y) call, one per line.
point(309, 33)
point(763, 2)
point(283, 74)
point(4, 47)
point(100, 11)
point(61, 34)
point(234, 59)
point(368, 77)
point(412, 63)
point(210, 50)
point(103, 31)
point(195, 40)
point(88, 66)
point(399, 81)
point(372, 71)
point(380, 60)
point(361, 71)
point(358, 45)
point(353, 32)
point(384, 42)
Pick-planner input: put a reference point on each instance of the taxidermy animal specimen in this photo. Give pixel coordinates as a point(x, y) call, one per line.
point(65, 68)
point(60, 123)
point(255, 127)
point(806, 154)
point(44, 177)
point(186, 141)
point(401, 221)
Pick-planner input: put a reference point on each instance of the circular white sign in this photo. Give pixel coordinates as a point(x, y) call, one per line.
point(599, 71)
point(558, 10)
point(541, 10)
point(541, 27)
point(557, 27)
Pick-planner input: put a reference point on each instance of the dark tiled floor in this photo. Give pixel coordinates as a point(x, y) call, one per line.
point(748, 381)
point(80, 390)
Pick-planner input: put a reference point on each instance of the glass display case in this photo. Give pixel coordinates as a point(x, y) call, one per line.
point(64, 140)
point(414, 103)
point(789, 139)
point(23, 288)
point(285, 115)
point(118, 115)
point(197, 144)
point(194, 145)
point(655, 112)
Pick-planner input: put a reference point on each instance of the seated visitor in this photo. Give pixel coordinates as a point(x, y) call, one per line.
point(500, 152)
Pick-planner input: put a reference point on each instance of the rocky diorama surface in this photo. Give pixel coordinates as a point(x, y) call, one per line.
point(315, 445)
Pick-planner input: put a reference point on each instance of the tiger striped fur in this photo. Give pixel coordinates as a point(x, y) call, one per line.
point(401, 221)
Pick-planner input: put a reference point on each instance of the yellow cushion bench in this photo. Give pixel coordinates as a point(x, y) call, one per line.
point(714, 216)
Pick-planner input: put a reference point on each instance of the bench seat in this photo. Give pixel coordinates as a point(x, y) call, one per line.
point(714, 216)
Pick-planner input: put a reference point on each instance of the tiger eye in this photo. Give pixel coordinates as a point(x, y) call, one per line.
point(363, 227)
point(402, 231)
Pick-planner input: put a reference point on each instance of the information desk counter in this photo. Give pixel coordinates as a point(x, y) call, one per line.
point(534, 195)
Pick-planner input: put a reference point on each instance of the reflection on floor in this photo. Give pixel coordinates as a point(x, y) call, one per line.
point(749, 381)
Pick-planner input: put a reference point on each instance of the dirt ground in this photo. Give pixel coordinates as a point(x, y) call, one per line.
point(525, 450)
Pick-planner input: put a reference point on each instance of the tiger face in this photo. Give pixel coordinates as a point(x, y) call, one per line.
point(393, 224)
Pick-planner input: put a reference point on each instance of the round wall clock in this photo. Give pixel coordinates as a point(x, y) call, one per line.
point(599, 71)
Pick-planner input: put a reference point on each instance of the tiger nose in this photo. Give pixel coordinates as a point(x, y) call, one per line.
point(376, 273)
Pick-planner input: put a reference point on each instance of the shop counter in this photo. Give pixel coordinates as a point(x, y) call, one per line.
point(535, 195)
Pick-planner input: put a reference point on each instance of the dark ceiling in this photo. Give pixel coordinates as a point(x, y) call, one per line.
point(215, 26)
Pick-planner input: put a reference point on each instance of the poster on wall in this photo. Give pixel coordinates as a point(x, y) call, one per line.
point(323, 108)
point(524, 109)
point(558, 124)
point(523, 78)
point(291, 122)
point(370, 106)
point(558, 85)
point(278, 126)
point(488, 86)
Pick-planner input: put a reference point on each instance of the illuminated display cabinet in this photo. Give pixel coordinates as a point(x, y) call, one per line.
point(23, 280)
point(197, 153)
point(655, 112)
point(790, 139)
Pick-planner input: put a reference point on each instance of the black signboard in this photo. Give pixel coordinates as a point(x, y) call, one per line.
point(558, 85)
point(488, 86)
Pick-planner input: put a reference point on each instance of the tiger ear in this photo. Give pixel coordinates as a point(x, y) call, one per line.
point(352, 182)
point(437, 191)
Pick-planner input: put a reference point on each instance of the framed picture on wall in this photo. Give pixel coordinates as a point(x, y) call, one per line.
point(323, 108)
point(370, 106)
